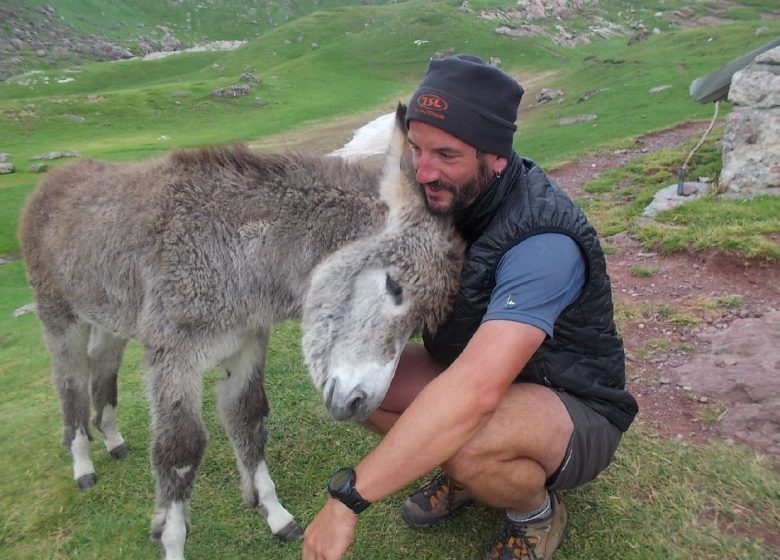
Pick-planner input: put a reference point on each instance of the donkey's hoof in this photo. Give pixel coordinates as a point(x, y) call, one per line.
point(290, 532)
point(86, 481)
point(120, 451)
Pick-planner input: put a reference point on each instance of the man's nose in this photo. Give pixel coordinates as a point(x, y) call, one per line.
point(426, 171)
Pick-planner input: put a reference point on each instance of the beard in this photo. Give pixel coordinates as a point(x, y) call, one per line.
point(464, 194)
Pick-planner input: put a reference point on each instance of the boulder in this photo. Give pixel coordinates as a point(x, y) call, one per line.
point(547, 94)
point(751, 143)
point(667, 198)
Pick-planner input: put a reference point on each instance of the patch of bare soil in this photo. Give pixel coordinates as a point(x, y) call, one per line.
point(701, 332)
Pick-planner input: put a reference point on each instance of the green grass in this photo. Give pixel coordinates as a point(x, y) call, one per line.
point(660, 498)
point(643, 271)
point(746, 227)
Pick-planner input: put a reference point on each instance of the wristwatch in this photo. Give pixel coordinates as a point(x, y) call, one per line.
point(342, 487)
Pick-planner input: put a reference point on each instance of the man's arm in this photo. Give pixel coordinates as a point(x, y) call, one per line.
point(448, 412)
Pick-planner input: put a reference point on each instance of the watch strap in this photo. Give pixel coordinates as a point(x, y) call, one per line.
point(346, 492)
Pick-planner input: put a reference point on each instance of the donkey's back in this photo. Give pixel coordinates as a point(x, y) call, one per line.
point(206, 237)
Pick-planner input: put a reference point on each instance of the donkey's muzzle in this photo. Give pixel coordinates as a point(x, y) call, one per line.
point(352, 406)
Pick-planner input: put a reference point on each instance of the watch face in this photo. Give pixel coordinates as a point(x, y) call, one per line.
point(339, 479)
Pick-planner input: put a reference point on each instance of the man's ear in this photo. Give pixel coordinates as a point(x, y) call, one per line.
point(499, 165)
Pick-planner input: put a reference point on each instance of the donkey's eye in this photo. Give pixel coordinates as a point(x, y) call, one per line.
point(395, 290)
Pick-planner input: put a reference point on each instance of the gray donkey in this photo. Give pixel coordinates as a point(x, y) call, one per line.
point(196, 255)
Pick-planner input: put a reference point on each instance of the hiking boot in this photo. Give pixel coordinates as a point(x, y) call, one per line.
point(434, 503)
point(534, 540)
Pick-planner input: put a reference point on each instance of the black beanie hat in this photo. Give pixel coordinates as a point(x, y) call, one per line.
point(470, 99)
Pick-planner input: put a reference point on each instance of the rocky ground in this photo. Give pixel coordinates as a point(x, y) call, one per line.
point(714, 376)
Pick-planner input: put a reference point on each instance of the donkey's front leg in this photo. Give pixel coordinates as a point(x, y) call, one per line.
point(243, 406)
point(178, 445)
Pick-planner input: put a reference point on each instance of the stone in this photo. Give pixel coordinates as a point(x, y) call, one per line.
point(169, 43)
point(588, 94)
point(548, 94)
point(751, 143)
point(55, 155)
point(756, 87)
point(577, 119)
point(236, 90)
point(667, 198)
point(249, 77)
point(6, 168)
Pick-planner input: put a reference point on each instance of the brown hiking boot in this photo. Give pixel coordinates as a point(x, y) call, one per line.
point(536, 540)
point(434, 503)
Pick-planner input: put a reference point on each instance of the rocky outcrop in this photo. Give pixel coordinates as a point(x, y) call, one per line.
point(547, 94)
point(751, 144)
point(235, 90)
point(38, 31)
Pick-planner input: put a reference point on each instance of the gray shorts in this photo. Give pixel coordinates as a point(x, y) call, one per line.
point(591, 447)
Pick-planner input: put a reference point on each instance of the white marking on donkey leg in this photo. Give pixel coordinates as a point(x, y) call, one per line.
point(113, 440)
point(280, 520)
point(83, 469)
point(175, 532)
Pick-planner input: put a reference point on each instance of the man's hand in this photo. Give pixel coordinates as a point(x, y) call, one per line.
point(329, 535)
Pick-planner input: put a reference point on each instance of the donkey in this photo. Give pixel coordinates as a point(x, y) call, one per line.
point(196, 255)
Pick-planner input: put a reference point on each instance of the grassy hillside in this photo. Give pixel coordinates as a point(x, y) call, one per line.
point(321, 62)
point(190, 21)
point(367, 57)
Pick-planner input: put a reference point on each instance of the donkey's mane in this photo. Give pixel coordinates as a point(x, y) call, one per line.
point(236, 156)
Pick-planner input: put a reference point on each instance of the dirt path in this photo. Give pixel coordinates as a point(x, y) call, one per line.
point(702, 333)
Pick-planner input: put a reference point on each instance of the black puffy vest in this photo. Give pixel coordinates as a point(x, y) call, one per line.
point(586, 356)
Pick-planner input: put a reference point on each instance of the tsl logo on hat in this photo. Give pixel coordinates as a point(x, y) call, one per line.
point(432, 105)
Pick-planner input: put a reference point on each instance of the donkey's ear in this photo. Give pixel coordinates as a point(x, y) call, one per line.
point(396, 187)
point(400, 118)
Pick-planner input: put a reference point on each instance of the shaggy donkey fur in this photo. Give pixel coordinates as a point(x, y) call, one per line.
point(197, 255)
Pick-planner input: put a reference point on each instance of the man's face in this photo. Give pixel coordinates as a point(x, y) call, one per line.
point(450, 172)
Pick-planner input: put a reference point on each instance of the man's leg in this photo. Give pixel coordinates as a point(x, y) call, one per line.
point(508, 462)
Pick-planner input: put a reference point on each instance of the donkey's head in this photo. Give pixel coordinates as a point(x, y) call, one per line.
point(367, 299)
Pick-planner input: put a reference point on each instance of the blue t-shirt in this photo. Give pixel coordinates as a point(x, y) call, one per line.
point(536, 280)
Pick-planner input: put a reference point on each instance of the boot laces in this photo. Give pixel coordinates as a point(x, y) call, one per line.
point(514, 541)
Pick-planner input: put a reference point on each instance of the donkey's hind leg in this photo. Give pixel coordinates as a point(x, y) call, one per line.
point(66, 339)
point(105, 356)
point(243, 406)
point(178, 442)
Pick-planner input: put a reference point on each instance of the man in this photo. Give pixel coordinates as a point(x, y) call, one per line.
point(521, 392)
